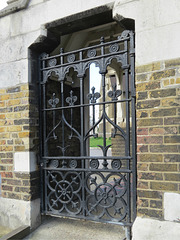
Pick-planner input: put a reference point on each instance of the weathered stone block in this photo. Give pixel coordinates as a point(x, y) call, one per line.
point(157, 230)
point(25, 161)
point(172, 207)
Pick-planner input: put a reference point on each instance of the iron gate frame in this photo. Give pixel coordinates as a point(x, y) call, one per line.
point(80, 62)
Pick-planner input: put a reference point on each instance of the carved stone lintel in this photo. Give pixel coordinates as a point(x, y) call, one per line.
point(13, 6)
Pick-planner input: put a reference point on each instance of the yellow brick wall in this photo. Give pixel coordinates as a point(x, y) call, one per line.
point(18, 132)
point(158, 134)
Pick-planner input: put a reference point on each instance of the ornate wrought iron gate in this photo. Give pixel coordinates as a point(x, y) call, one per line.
point(74, 183)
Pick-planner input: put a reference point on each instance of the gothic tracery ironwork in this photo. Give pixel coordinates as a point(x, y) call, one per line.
point(78, 185)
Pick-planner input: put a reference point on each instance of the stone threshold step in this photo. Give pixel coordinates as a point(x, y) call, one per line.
point(18, 233)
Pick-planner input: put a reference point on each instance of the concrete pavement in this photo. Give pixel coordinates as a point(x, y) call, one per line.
point(54, 228)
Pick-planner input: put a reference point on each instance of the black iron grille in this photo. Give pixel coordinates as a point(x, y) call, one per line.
point(76, 183)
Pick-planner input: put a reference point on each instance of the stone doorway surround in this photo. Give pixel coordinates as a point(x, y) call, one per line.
point(157, 77)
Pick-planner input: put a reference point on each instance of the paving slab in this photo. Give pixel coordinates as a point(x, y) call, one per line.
point(53, 228)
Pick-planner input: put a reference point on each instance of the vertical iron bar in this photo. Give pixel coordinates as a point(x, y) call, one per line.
point(40, 138)
point(82, 147)
point(127, 148)
point(93, 118)
point(104, 109)
point(82, 114)
point(45, 150)
point(133, 113)
point(71, 122)
point(64, 162)
point(128, 233)
point(115, 113)
point(105, 163)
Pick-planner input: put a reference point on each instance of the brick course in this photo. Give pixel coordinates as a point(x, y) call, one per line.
point(18, 132)
point(158, 135)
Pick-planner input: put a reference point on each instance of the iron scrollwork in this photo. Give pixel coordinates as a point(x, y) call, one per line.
point(106, 199)
point(64, 194)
